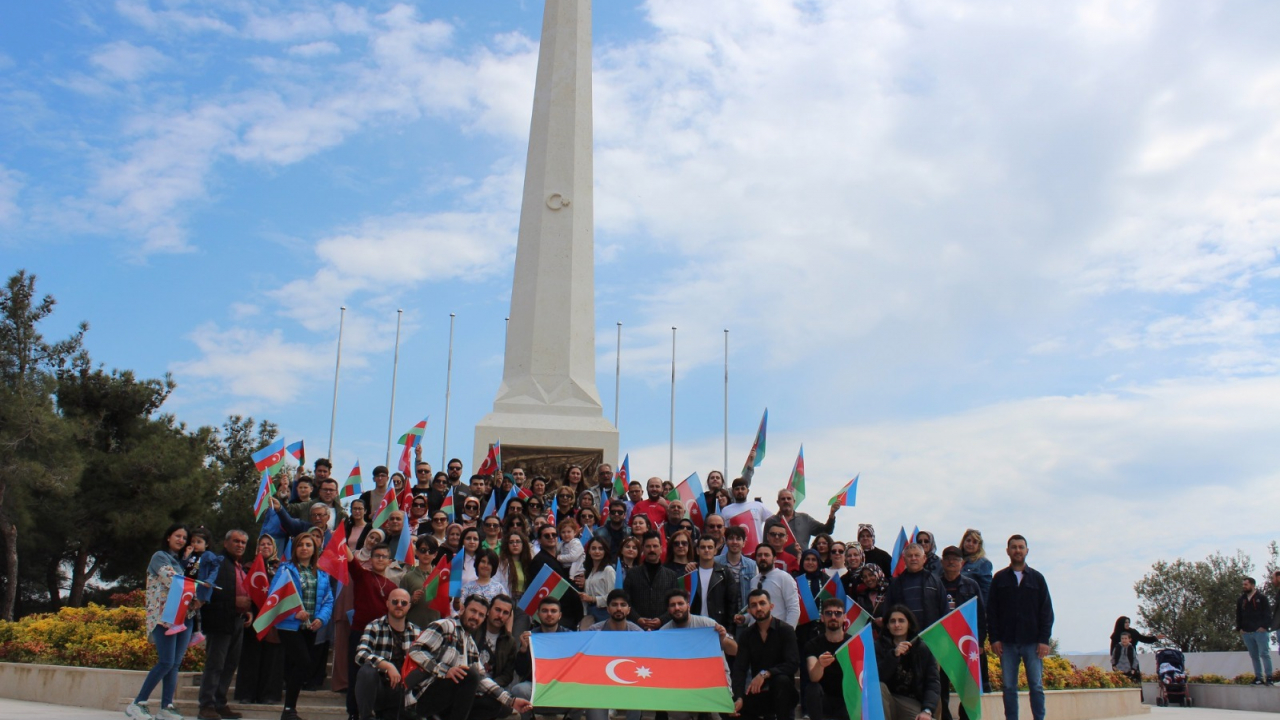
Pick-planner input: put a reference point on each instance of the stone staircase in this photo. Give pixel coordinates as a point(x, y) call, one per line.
point(321, 704)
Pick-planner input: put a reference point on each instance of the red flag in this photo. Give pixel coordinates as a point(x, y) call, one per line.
point(440, 576)
point(406, 462)
point(492, 464)
point(791, 537)
point(748, 522)
point(334, 558)
point(257, 584)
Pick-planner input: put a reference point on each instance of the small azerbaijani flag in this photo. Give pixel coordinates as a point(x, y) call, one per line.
point(898, 563)
point(447, 505)
point(298, 451)
point(265, 490)
point(410, 440)
point(351, 486)
point(547, 583)
point(796, 483)
point(619, 572)
point(689, 493)
point(455, 573)
point(848, 495)
point(756, 456)
point(492, 464)
point(404, 548)
point(181, 591)
point(388, 505)
point(622, 478)
point(861, 676)
point(281, 605)
point(492, 507)
point(855, 617)
point(689, 581)
point(269, 457)
point(953, 640)
point(435, 589)
point(808, 603)
point(552, 510)
point(674, 670)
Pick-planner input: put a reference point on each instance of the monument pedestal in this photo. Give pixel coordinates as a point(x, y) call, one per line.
point(545, 445)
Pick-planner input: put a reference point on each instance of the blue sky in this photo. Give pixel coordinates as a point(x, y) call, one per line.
point(1015, 263)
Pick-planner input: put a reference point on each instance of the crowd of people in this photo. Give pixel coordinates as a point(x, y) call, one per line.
point(394, 655)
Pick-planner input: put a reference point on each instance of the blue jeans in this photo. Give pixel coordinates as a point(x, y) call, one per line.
point(170, 649)
point(1259, 647)
point(1010, 656)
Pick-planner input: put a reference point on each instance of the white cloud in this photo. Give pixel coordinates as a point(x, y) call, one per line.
point(249, 369)
point(1102, 485)
point(122, 60)
point(315, 49)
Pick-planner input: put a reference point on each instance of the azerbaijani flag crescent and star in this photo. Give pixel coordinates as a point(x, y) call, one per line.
point(689, 494)
point(674, 670)
point(281, 605)
point(953, 640)
point(622, 478)
point(265, 490)
point(848, 495)
point(861, 676)
point(270, 457)
point(547, 583)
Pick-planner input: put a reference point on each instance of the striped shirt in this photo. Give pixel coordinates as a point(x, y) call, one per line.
point(442, 646)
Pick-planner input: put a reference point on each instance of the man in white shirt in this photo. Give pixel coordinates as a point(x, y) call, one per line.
point(741, 504)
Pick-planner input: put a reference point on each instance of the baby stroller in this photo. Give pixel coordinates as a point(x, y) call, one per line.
point(1171, 671)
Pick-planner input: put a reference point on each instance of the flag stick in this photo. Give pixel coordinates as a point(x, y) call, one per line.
point(448, 384)
point(395, 368)
point(337, 366)
point(726, 402)
point(671, 457)
point(617, 377)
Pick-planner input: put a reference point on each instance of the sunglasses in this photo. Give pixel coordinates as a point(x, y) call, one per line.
point(617, 512)
point(837, 552)
point(400, 603)
point(549, 536)
point(419, 504)
point(443, 519)
point(493, 525)
point(777, 535)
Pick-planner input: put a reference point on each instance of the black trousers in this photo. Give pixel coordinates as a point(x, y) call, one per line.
point(299, 659)
point(222, 657)
point(776, 701)
point(374, 694)
point(261, 673)
point(353, 641)
point(818, 705)
point(457, 701)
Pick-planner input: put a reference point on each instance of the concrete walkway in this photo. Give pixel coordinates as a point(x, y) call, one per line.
point(39, 711)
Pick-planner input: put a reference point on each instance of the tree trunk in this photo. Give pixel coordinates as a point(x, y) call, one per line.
point(53, 581)
point(10, 532)
point(80, 574)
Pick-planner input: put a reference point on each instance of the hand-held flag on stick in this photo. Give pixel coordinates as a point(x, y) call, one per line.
point(492, 464)
point(748, 522)
point(269, 457)
point(447, 505)
point(298, 452)
point(265, 490)
point(848, 495)
point(861, 676)
point(808, 603)
point(281, 605)
point(410, 440)
point(796, 483)
point(257, 584)
point(181, 591)
point(898, 562)
point(334, 558)
point(351, 486)
point(435, 589)
point(455, 573)
point(386, 507)
point(675, 670)
point(756, 456)
point(689, 493)
point(619, 572)
point(622, 478)
point(953, 640)
point(689, 581)
point(547, 583)
point(404, 548)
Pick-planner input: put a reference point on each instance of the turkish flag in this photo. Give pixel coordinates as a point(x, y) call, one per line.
point(257, 583)
point(334, 558)
point(747, 521)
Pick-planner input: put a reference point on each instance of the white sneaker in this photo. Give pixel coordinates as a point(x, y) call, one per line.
point(137, 711)
point(168, 713)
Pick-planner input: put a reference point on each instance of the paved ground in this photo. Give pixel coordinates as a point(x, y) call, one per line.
point(18, 710)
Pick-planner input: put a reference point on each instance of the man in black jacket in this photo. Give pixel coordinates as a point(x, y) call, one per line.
point(917, 588)
point(223, 617)
point(1019, 623)
point(716, 593)
point(1253, 620)
point(546, 555)
point(768, 656)
point(647, 585)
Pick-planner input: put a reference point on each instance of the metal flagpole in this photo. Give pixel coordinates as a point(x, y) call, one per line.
point(726, 403)
point(617, 377)
point(448, 384)
point(395, 367)
point(337, 366)
point(671, 457)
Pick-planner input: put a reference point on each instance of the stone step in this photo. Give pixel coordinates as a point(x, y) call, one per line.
point(320, 698)
point(306, 710)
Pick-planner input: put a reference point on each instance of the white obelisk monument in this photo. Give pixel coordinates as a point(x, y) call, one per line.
point(548, 398)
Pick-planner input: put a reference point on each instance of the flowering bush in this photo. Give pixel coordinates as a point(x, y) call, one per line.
point(93, 636)
point(1060, 674)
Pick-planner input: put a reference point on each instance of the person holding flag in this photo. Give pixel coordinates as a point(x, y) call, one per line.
point(824, 695)
point(298, 632)
point(165, 565)
point(763, 677)
point(960, 589)
point(682, 617)
point(417, 579)
point(224, 620)
point(908, 673)
point(373, 498)
point(381, 653)
point(803, 525)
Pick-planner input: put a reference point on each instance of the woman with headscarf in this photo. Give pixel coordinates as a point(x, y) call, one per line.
point(932, 562)
point(871, 590)
point(1122, 626)
point(260, 677)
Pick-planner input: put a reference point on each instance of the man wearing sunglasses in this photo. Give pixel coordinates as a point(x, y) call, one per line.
point(380, 655)
point(824, 694)
point(615, 528)
point(547, 545)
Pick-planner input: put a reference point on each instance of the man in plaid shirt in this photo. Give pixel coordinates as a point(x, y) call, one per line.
point(380, 655)
point(450, 676)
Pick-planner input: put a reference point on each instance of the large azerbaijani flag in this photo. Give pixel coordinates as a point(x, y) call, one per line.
point(270, 457)
point(756, 456)
point(796, 483)
point(861, 676)
point(953, 640)
point(674, 670)
point(547, 583)
point(689, 494)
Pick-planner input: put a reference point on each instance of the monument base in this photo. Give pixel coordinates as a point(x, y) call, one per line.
point(542, 438)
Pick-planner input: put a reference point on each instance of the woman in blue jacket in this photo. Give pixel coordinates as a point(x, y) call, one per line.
point(298, 633)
